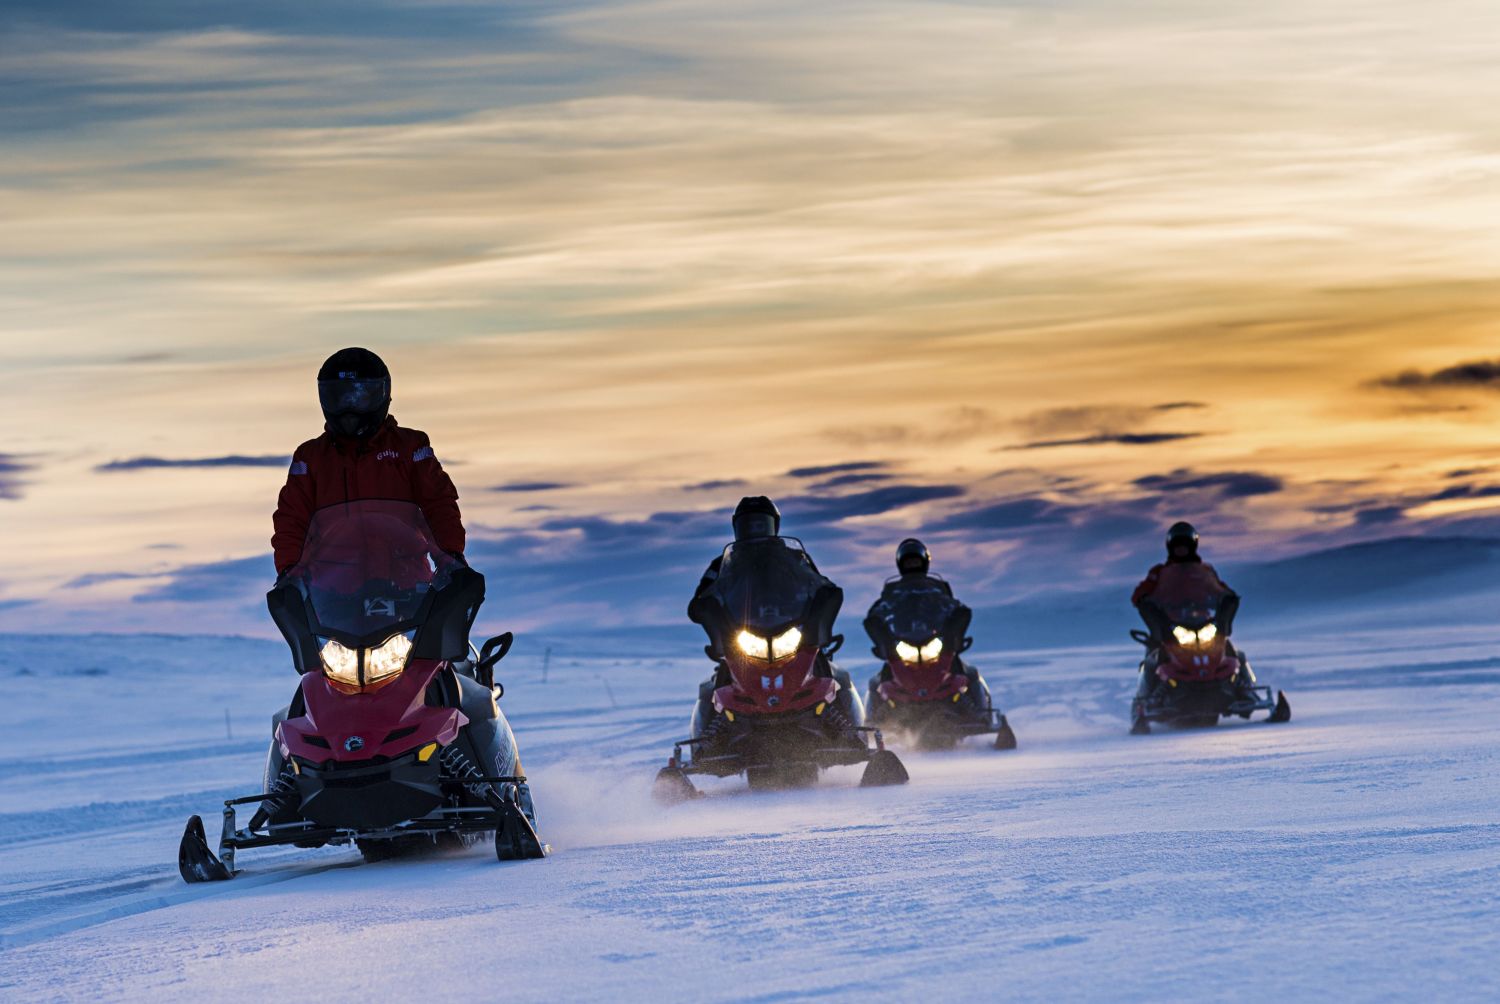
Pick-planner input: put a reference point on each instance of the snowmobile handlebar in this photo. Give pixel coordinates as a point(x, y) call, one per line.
point(1141, 636)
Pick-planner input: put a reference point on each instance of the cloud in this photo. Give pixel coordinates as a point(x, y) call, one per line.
point(11, 469)
point(709, 486)
point(530, 486)
point(230, 460)
point(818, 472)
point(213, 582)
point(1103, 439)
point(1228, 484)
point(1012, 514)
point(826, 509)
point(845, 480)
point(1484, 375)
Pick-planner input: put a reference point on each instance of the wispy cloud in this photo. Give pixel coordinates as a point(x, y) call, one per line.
point(12, 469)
point(158, 463)
point(1484, 375)
point(530, 486)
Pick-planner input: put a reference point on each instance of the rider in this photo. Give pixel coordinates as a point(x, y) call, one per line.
point(756, 521)
point(362, 454)
point(914, 562)
point(1183, 573)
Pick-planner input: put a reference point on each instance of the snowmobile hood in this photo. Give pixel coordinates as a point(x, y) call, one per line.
point(357, 728)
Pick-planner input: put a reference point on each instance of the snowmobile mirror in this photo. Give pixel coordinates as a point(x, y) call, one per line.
point(288, 609)
point(444, 633)
point(493, 651)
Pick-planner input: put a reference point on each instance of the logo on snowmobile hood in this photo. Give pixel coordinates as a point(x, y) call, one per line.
point(354, 744)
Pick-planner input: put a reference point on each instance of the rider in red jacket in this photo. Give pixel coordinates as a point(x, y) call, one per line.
point(362, 454)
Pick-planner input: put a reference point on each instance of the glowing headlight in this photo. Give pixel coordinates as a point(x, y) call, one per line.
point(1187, 636)
point(783, 646)
point(340, 663)
point(387, 660)
point(932, 650)
point(753, 645)
point(907, 653)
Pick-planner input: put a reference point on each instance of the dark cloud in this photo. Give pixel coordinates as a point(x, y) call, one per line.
point(1180, 406)
point(99, 578)
point(231, 460)
point(1465, 492)
point(1467, 472)
point(12, 468)
point(530, 486)
point(1228, 484)
point(818, 472)
point(824, 509)
point(1118, 439)
point(845, 480)
point(1004, 516)
point(1379, 515)
point(1482, 375)
point(214, 582)
point(709, 486)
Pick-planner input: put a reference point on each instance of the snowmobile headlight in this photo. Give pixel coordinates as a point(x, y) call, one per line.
point(1208, 633)
point(389, 659)
point(932, 650)
point(785, 645)
point(753, 645)
point(1185, 636)
point(340, 662)
point(907, 652)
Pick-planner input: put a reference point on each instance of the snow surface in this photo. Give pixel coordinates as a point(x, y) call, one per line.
point(1349, 854)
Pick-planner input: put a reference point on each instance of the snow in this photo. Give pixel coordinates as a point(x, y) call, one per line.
point(1350, 853)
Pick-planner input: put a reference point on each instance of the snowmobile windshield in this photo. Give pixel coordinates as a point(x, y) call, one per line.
point(918, 612)
point(368, 567)
point(766, 583)
point(1194, 614)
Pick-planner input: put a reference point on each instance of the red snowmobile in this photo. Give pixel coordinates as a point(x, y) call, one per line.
point(777, 709)
point(924, 689)
point(393, 740)
point(1193, 676)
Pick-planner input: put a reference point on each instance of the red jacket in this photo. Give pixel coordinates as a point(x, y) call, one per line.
point(395, 463)
point(1180, 582)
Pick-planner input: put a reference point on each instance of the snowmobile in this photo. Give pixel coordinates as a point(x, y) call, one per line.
point(777, 709)
point(393, 740)
point(923, 688)
point(1201, 677)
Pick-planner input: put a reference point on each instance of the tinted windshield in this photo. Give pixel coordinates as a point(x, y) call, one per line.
point(766, 582)
point(367, 567)
point(917, 612)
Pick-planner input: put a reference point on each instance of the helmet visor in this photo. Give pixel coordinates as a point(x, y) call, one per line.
point(340, 397)
point(754, 524)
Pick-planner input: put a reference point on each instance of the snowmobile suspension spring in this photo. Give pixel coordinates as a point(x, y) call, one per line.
point(836, 719)
point(462, 770)
point(280, 793)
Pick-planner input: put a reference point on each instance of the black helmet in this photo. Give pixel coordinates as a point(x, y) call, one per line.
point(912, 557)
point(1179, 534)
point(354, 388)
point(756, 516)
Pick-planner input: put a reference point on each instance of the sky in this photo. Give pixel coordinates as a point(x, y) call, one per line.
point(1030, 280)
